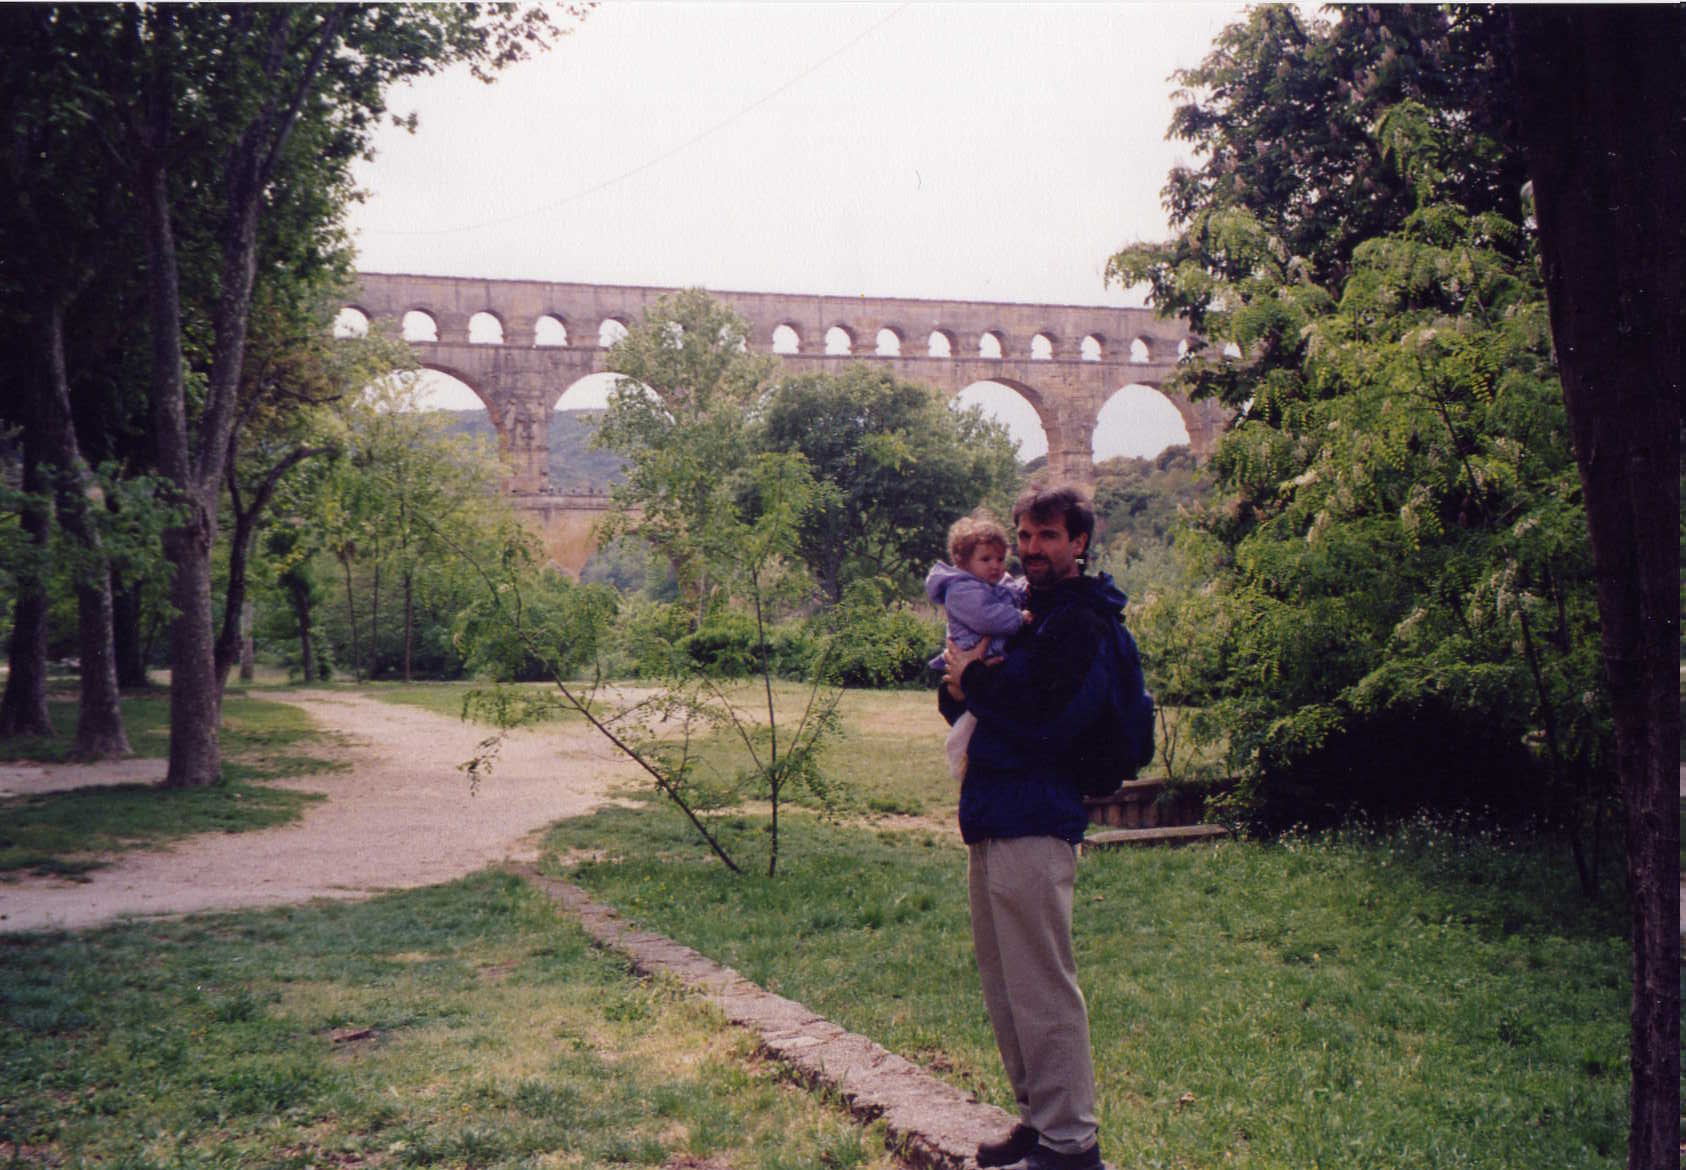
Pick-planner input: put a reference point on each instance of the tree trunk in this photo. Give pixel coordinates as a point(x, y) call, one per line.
point(195, 690)
point(100, 734)
point(23, 708)
point(1599, 103)
point(99, 720)
point(234, 641)
point(193, 461)
point(195, 756)
point(299, 594)
point(127, 643)
point(248, 645)
point(351, 613)
point(409, 621)
point(234, 596)
point(374, 619)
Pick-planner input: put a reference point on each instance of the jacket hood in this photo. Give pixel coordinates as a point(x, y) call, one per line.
point(941, 576)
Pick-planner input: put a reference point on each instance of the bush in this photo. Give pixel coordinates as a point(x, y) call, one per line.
point(568, 622)
point(725, 645)
point(876, 643)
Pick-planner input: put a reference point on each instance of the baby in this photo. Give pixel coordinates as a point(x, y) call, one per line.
point(981, 601)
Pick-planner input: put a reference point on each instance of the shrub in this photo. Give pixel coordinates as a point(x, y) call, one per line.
point(877, 643)
point(724, 645)
point(574, 619)
point(647, 637)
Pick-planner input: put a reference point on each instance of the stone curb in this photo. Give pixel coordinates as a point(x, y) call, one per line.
point(931, 1124)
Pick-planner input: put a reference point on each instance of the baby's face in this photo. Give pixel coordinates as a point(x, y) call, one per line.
point(987, 562)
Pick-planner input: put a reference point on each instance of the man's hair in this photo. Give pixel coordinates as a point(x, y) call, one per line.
point(1068, 503)
point(968, 532)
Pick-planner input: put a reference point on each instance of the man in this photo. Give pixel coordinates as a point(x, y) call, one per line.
point(1022, 817)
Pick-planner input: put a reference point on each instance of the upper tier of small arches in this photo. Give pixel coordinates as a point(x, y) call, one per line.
point(552, 330)
point(540, 315)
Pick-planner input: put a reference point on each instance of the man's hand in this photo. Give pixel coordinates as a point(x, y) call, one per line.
point(957, 660)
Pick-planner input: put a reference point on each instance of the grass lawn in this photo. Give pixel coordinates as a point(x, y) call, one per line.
point(1420, 999)
point(462, 1025)
point(1426, 998)
point(68, 833)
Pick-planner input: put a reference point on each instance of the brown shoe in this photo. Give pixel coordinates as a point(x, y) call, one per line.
point(1015, 1147)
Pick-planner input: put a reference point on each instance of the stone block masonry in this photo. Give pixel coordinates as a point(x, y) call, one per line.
point(1066, 361)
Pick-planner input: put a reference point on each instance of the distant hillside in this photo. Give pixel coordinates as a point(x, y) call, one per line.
point(574, 466)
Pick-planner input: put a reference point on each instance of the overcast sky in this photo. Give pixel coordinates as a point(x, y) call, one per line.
point(964, 150)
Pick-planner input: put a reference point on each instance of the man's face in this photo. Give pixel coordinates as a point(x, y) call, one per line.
point(1048, 552)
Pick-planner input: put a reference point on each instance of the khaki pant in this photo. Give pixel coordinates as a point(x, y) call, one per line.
point(1021, 893)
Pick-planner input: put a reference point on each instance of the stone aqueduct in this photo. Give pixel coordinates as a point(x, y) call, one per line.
point(1066, 360)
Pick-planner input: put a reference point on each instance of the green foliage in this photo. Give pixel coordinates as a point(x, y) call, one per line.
point(382, 520)
point(648, 634)
point(877, 642)
point(1397, 606)
point(897, 466)
point(1293, 177)
point(630, 565)
point(1141, 509)
point(681, 417)
point(727, 645)
point(730, 518)
point(575, 619)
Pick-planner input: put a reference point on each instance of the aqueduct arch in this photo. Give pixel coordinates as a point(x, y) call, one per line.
point(1065, 360)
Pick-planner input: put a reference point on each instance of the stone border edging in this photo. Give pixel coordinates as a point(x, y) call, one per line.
point(930, 1124)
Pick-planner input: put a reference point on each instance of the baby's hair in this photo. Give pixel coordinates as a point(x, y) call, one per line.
point(968, 532)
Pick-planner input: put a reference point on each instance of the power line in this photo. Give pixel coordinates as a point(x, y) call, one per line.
point(665, 155)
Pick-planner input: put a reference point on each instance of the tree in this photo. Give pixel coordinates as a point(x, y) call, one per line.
point(1402, 544)
point(1294, 179)
point(682, 416)
point(57, 226)
point(1597, 96)
point(896, 467)
point(23, 707)
point(400, 482)
point(222, 116)
point(294, 374)
point(745, 548)
point(289, 552)
point(425, 484)
point(1600, 106)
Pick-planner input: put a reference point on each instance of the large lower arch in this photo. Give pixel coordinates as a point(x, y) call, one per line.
point(575, 467)
point(1137, 421)
point(443, 389)
point(1016, 406)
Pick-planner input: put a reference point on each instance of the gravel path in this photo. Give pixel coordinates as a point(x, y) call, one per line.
point(400, 816)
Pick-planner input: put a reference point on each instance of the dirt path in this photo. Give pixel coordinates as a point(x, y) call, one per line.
point(400, 816)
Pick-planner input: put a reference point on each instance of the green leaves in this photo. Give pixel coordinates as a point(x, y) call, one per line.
point(894, 465)
point(1402, 556)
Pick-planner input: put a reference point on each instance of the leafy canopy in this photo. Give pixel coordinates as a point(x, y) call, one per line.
point(1399, 607)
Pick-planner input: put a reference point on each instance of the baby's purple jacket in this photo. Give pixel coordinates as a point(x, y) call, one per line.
point(975, 608)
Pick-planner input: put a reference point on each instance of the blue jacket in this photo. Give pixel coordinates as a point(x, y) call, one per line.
point(1031, 709)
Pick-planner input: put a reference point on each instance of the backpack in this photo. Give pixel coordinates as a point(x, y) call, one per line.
point(1119, 742)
